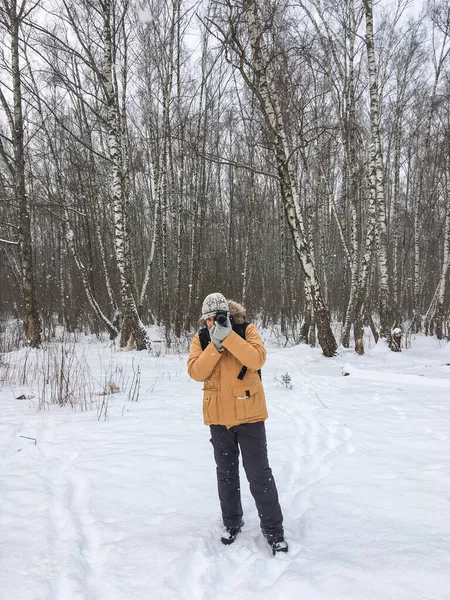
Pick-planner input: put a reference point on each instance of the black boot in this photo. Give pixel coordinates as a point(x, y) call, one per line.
point(278, 544)
point(229, 534)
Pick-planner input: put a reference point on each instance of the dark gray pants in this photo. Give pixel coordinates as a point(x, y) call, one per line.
point(250, 438)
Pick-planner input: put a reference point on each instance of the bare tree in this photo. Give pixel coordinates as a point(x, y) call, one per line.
point(12, 17)
point(259, 76)
point(377, 183)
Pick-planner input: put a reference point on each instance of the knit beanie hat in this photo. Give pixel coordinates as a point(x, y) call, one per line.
point(212, 304)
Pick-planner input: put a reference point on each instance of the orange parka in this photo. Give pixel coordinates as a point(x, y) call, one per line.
point(226, 399)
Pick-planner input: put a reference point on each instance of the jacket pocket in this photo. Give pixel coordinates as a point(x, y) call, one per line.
point(248, 402)
point(210, 406)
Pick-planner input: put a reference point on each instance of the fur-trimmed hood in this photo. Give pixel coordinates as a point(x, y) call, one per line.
point(237, 313)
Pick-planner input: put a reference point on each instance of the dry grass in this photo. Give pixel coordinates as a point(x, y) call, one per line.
point(62, 374)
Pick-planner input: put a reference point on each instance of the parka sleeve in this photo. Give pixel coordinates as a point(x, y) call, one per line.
point(201, 363)
point(249, 352)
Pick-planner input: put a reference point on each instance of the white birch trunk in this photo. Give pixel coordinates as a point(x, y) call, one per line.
point(324, 234)
point(282, 252)
point(198, 205)
point(366, 259)
point(271, 107)
point(181, 191)
point(396, 202)
point(165, 188)
point(352, 163)
point(377, 179)
point(132, 324)
point(440, 310)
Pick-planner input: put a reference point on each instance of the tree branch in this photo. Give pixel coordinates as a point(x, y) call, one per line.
point(223, 161)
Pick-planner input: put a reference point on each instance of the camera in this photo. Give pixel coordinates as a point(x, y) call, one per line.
point(221, 317)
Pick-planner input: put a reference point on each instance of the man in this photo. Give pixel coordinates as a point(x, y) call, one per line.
point(226, 355)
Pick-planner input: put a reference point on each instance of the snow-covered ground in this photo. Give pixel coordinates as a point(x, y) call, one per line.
point(126, 508)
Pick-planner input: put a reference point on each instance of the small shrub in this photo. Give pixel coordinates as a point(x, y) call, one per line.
point(285, 380)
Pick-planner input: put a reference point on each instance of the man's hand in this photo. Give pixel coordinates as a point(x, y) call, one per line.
point(217, 343)
point(221, 331)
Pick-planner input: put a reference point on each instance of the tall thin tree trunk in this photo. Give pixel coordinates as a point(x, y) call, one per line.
point(32, 319)
point(367, 257)
point(283, 270)
point(440, 310)
point(351, 162)
point(377, 179)
point(180, 197)
point(166, 188)
point(395, 216)
point(198, 205)
point(131, 320)
point(271, 107)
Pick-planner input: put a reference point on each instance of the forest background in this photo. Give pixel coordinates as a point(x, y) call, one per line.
point(293, 155)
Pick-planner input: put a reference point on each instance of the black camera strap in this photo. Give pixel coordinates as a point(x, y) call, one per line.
point(242, 373)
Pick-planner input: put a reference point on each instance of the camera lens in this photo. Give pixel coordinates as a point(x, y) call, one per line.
point(221, 318)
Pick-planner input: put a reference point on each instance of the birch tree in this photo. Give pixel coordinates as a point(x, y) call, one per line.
point(440, 51)
point(55, 185)
point(257, 73)
point(96, 27)
point(377, 184)
point(12, 17)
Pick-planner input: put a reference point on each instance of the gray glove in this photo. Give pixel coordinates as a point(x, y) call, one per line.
point(220, 331)
point(217, 343)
